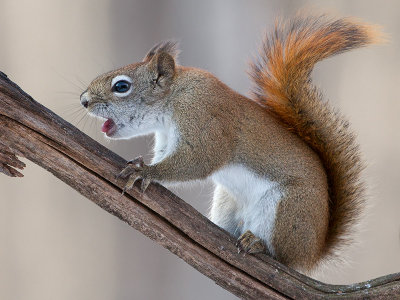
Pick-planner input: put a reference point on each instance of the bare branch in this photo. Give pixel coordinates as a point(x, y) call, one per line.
point(32, 131)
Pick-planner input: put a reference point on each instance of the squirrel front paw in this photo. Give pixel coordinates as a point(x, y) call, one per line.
point(134, 171)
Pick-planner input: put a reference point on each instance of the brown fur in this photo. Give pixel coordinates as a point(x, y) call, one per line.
point(284, 87)
point(286, 135)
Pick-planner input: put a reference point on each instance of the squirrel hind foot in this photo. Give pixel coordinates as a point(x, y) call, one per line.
point(249, 243)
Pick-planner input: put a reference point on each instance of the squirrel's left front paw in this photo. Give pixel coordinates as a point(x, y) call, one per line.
point(134, 171)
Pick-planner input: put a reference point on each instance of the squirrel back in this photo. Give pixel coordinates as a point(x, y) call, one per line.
point(283, 86)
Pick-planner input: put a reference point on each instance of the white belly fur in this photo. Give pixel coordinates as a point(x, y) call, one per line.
point(257, 200)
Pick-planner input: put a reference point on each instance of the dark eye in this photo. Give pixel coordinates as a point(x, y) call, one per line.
point(121, 86)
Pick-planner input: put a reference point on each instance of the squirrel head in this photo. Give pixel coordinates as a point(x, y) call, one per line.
point(134, 98)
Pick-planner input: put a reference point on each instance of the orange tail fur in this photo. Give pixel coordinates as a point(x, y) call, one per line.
point(284, 87)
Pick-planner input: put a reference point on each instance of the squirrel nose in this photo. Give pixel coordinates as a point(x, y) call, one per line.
point(85, 103)
point(85, 99)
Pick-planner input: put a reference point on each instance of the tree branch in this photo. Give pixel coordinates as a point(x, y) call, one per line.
point(31, 130)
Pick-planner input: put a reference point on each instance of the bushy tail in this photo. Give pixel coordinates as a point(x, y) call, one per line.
point(284, 87)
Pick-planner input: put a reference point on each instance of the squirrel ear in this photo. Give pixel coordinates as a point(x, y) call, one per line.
point(170, 47)
point(163, 65)
point(161, 60)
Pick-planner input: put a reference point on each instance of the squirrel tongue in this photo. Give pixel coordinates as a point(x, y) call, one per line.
point(109, 127)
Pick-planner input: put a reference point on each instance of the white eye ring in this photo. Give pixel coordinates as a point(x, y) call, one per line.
point(119, 78)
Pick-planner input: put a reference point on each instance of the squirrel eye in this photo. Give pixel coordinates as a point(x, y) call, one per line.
point(121, 86)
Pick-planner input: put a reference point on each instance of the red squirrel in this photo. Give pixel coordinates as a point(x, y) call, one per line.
point(285, 164)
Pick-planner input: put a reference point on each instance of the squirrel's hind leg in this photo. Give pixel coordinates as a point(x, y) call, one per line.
point(223, 211)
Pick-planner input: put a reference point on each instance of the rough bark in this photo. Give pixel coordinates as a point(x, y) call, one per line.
point(32, 131)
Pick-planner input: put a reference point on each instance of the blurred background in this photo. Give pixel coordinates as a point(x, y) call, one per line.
point(55, 244)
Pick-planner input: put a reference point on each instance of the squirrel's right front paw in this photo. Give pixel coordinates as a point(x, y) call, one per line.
point(134, 171)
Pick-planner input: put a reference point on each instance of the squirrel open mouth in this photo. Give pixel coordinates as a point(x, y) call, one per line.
point(109, 127)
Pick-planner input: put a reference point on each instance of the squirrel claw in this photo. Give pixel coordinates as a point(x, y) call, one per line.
point(131, 181)
point(249, 243)
point(132, 166)
point(134, 171)
point(145, 184)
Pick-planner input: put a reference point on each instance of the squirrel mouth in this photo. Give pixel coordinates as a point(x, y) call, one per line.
point(109, 127)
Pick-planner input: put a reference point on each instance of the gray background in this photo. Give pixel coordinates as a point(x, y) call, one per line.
point(54, 244)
